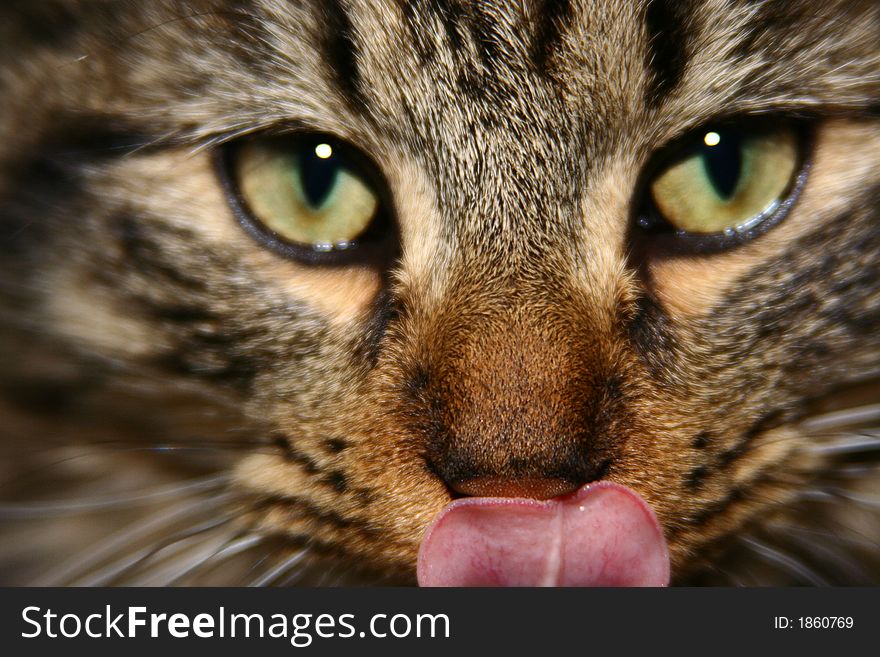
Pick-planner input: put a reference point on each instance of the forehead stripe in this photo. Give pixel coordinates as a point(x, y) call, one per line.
point(341, 52)
point(666, 23)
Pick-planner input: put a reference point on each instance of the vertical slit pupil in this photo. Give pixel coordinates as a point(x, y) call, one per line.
point(723, 163)
point(318, 175)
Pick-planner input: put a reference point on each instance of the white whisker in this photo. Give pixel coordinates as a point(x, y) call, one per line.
point(855, 444)
point(119, 541)
point(828, 547)
point(856, 471)
point(785, 561)
point(230, 549)
point(841, 419)
point(184, 555)
point(44, 509)
point(282, 569)
point(129, 563)
point(863, 500)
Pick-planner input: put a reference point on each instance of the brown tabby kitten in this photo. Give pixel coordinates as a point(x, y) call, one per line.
point(280, 279)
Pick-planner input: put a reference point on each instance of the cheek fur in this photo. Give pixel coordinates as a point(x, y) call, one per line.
point(180, 391)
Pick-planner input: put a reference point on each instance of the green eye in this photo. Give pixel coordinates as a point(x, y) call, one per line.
point(311, 195)
point(729, 181)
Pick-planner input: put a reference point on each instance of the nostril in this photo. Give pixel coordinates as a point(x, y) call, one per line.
point(538, 488)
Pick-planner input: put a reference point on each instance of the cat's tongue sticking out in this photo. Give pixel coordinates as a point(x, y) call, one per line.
point(602, 535)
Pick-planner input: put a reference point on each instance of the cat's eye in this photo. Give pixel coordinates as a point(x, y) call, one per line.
point(311, 197)
point(726, 184)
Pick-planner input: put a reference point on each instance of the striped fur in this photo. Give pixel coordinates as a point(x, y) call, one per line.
point(264, 421)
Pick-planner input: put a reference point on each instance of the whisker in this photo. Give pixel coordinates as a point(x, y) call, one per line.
point(828, 547)
point(864, 443)
point(230, 549)
point(863, 500)
point(41, 510)
point(123, 566)
point(855, 471)
point(784, 561)
point(326, 576)
point(91, 449)
point(844, 418)
point(168, 563)
point(732, 579)
point(850, 535)
point(282, 569)
point(130, 534)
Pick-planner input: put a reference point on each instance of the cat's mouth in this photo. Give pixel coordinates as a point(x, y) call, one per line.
point(602, 535)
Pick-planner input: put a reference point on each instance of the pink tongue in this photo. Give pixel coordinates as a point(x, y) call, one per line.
point(602, 535)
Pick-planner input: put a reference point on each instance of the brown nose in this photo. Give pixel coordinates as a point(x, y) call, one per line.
point(532, 487)
point(516, 411)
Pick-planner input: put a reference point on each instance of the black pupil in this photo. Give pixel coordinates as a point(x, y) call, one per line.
point(318, 175)
point(723, 162)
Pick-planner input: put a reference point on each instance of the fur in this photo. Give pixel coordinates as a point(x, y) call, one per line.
point(181, 405)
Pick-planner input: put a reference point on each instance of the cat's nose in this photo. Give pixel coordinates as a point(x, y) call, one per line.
point(539, 479)
point(516, 413)
point(532, 487)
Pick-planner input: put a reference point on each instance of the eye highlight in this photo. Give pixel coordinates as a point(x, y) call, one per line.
point(726, 184)
point(310, 197)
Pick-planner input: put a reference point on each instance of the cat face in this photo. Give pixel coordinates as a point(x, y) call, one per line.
point(510, 283)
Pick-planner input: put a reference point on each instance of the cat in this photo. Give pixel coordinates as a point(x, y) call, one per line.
point(337, 291)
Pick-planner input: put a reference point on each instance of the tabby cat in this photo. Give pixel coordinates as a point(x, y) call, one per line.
point(440, 291)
